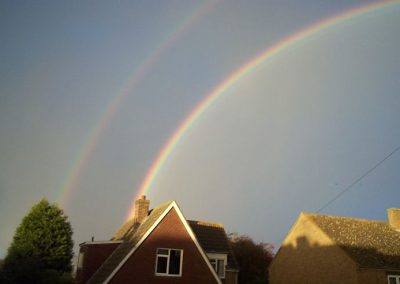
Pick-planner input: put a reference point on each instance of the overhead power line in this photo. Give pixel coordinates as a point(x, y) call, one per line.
point(350, 186)
point(357, 180)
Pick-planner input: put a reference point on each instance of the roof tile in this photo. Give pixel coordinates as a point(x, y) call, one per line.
point(372, 244)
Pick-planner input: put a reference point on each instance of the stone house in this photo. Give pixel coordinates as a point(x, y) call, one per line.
point(160, 246)
point(331, 249)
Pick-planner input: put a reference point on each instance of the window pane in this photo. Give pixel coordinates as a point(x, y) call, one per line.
point(221, 268)
point(174, 262)
point(392, 280)
point(213, 264)
point(162, 251)
point(161, 264)
point(80, 259)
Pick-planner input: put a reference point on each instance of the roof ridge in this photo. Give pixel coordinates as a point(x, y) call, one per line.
point(208, 223)
point(308, 214)
point(163, 204)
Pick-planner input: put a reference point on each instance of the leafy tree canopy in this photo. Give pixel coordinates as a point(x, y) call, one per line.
point(42, 247)
point(253, 259)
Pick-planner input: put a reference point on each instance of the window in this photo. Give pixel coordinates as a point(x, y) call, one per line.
point(219, 266)
point(169, 262)
point(393, 279)
point(218, 262)
point(80, 259)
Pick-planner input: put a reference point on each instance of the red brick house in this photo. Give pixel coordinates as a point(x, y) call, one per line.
point(160, 246)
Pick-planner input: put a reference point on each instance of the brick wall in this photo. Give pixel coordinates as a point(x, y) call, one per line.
point(94, 254)
point(170, 233)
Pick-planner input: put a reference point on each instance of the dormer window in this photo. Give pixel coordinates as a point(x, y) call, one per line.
point(219, 267)
point(169, 262)
point(218, 262)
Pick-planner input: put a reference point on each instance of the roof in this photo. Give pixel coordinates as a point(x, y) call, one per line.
point(131, 233)
point(128, 227)
point(213, 239)
point(372, 244)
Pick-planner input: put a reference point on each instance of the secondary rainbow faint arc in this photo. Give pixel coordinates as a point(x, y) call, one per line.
point(241, 72)
point(86, 151)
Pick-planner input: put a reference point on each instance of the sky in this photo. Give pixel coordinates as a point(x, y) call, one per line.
point(91, 92)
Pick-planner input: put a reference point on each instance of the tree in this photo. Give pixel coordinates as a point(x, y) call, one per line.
point(253, 259)
point(42, 247)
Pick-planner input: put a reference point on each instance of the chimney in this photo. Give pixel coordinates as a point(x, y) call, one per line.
point(394, 218)
point(141, 208)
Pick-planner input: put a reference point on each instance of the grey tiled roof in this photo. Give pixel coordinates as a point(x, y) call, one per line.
point(372, 244)
point(213, 239)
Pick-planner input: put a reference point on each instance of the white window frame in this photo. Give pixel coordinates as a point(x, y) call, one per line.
point(168, 258)
point(214, 258)
point(396, 277)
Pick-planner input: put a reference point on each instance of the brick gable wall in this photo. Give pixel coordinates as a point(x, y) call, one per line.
point(94, 256)
point(170, 233)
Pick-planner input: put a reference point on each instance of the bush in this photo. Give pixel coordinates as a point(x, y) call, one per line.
point(253, 259)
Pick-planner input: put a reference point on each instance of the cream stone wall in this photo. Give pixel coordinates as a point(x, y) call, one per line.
point(308, 256)
point(370, 276)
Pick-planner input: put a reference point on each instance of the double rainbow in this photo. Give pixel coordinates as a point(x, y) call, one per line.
point(240, 73)
point(79, 164)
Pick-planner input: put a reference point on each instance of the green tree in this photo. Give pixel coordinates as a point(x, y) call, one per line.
point(42, 247)
point(253, 259)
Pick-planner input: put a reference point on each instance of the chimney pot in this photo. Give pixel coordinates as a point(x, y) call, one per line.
point(394, 218)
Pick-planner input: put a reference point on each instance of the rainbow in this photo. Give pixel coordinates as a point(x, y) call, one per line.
point(80, 162)
point(240, 73)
